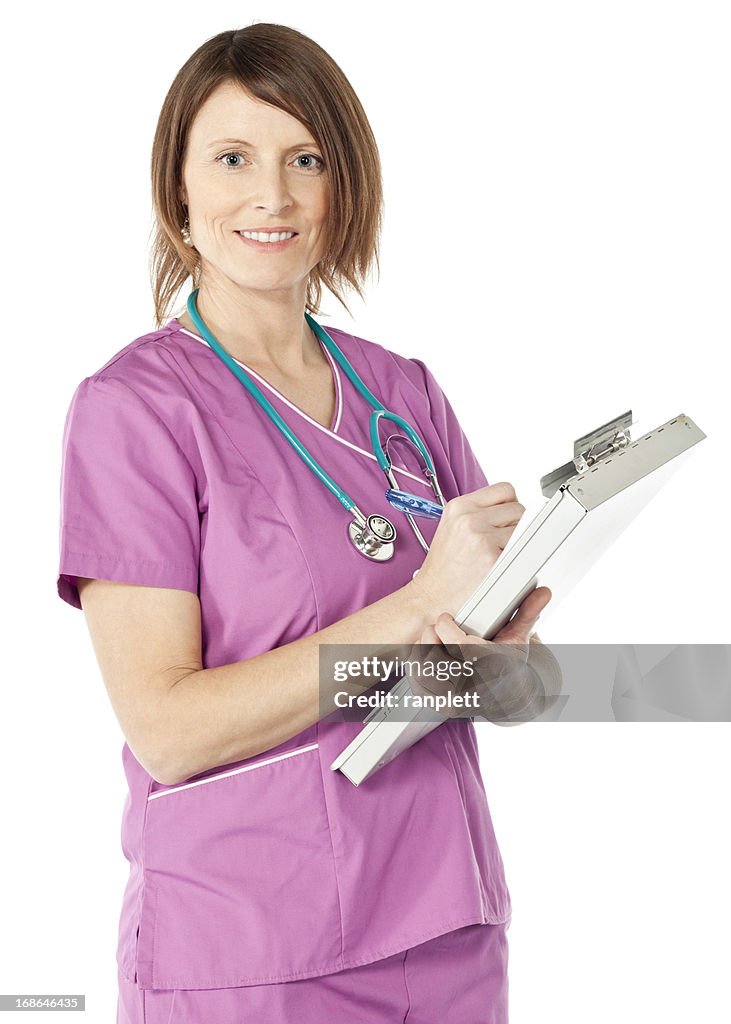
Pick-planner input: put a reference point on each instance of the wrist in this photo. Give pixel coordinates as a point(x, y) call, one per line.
point(422, 602)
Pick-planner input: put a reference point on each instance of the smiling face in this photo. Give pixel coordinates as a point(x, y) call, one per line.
point(250, 166)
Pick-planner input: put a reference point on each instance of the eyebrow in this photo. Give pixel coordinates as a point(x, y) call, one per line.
point(250, 145)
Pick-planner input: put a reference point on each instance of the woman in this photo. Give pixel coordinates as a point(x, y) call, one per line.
point(211, 563)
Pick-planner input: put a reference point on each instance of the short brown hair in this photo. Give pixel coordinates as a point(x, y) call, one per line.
point(281, 66)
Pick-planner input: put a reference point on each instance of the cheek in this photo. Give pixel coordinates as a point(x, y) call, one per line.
point(322, 200)
point(321, 215)
point(214, 199)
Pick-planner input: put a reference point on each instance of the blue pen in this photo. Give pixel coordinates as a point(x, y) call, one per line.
point(412, 503)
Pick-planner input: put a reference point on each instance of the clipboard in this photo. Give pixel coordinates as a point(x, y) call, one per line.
point(591, 501)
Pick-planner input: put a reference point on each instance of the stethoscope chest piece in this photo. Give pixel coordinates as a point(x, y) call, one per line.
point(375, 538)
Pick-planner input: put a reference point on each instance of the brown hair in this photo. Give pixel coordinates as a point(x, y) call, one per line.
point(281, 66)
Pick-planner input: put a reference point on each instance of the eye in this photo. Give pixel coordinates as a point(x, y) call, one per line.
point(311, 156)
point(318, 164)
point(224, 156)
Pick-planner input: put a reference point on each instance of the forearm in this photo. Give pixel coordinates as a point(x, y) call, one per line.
point(219, 715)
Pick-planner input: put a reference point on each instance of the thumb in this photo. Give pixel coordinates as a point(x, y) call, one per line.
point(521, 625)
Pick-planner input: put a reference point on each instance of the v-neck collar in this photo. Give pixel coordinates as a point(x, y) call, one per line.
point(334, 369)
point(337, 417)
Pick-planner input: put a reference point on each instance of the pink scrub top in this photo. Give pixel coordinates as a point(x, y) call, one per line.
point(274, 867)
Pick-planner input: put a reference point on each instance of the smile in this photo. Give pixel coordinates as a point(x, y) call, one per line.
point(263, 236)
point(272, 242)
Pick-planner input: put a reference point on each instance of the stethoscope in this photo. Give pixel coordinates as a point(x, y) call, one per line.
point(372, 535)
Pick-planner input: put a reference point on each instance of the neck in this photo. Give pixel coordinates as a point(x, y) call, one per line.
point(268, 333)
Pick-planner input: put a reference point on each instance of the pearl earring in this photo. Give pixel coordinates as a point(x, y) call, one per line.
point(185, 232)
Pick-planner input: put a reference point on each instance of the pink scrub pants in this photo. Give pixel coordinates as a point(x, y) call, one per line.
point(457, 978)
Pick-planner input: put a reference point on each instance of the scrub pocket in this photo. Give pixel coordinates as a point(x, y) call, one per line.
point(239, 877)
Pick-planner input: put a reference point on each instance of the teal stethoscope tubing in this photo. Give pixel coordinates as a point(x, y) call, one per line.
point(379, 411)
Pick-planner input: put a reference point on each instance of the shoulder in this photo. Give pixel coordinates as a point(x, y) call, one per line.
point(384, 363)
point(158, 369)
point(165, 368)
point(169, 351)
point(144, 387)
point(150, 356)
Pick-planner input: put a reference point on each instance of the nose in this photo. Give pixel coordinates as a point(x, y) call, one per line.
point(270, 187)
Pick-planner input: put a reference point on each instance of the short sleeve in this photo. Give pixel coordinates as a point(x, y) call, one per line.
point(462, 460)
point(129, 507)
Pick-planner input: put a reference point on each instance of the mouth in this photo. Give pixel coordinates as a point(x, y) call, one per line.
point(274, 242)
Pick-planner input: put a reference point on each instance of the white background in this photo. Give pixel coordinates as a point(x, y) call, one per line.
point(556, 248)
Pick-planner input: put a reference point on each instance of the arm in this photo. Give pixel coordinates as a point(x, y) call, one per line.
point(516, 677)
point(180, 719)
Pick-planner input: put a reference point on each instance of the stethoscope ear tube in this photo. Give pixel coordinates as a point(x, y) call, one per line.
point(383, 460)
point(373, 535)
point(268, 408)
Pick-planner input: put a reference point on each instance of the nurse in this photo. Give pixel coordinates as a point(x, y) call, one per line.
point(211, 562)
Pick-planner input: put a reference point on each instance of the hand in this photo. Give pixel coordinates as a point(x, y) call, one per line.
point(473, 530)
point(516, 631)
point(510, 677)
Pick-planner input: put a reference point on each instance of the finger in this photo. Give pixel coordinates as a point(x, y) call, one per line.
point(452, 636)
point(447, 629)
point(497, 516)
point(525, 618)
point(494, 494)
point(429, 636)
point(532, 606)
point(444, 631)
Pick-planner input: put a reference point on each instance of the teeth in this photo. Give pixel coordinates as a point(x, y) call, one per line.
point(260, 236)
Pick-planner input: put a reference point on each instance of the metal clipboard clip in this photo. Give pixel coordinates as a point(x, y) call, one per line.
point(590, 449)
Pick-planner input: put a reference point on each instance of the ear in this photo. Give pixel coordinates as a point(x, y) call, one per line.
point(183, 196)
